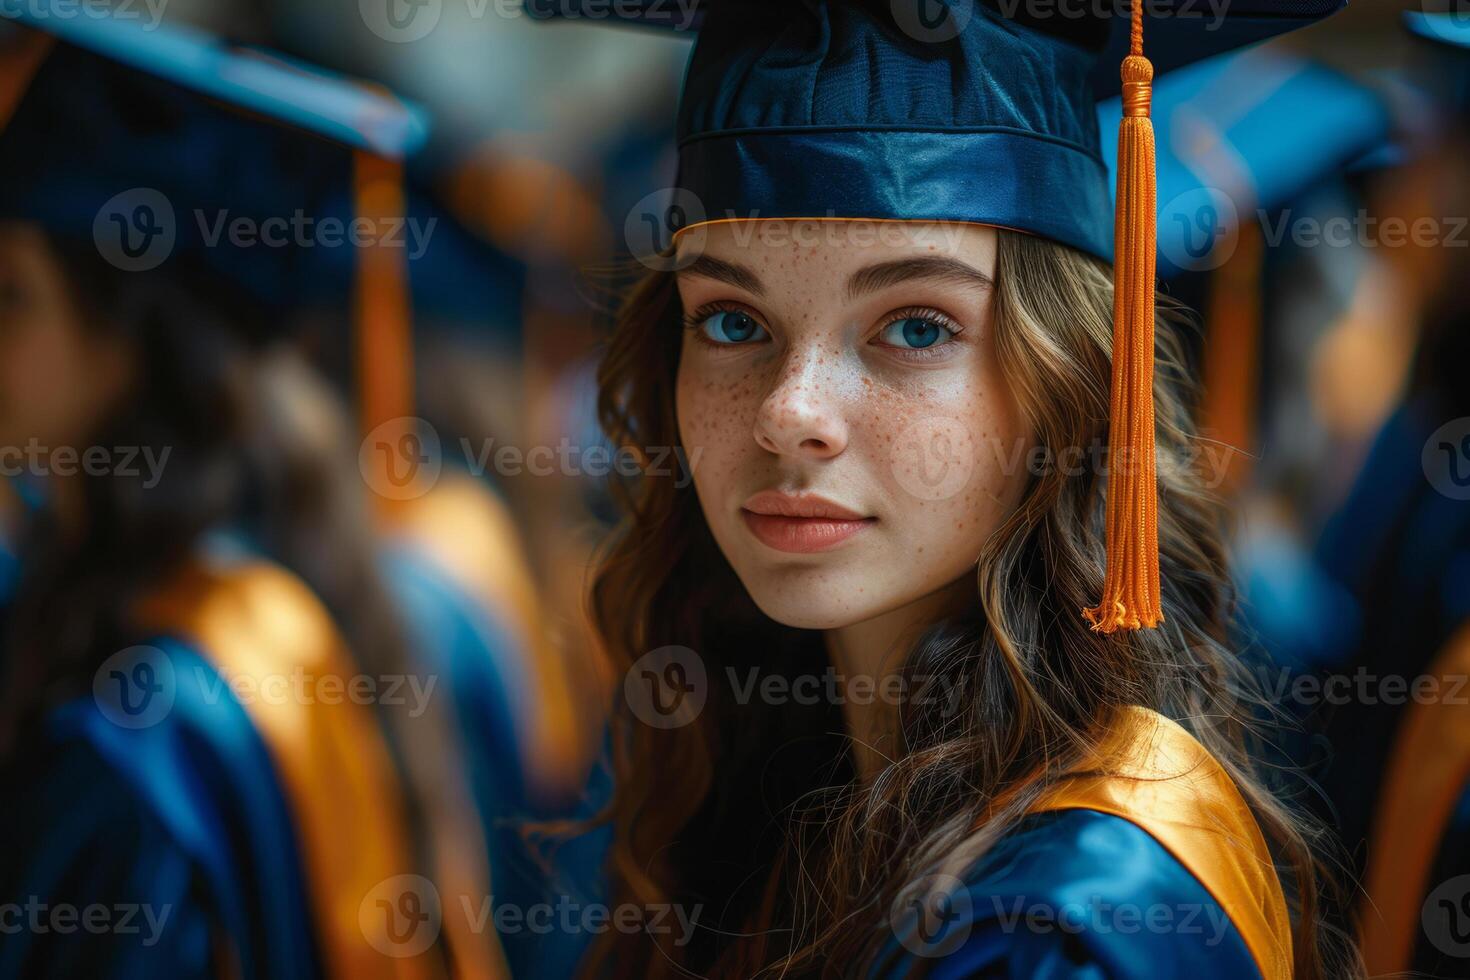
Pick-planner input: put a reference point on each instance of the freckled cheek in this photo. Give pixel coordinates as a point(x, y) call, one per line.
point(717, 411)
point(947, 462)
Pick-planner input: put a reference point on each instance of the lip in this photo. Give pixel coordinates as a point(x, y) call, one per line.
point(801, 523)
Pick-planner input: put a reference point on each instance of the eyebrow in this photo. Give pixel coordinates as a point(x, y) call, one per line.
point(742, 277)
point(935, 268)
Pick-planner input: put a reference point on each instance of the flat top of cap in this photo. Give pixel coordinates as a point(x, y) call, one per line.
point(249, 79)
point(1176, 32)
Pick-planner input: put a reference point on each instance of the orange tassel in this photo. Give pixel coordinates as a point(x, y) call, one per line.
point(1130, 597)
point(382, 314)
point(1232, 355)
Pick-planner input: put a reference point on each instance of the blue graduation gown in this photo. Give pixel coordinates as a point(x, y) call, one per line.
point(182, 822)
point(1081, 895)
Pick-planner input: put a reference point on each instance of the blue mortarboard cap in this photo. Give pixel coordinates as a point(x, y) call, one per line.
point(161, 144)
point(462, 283)
point(1244, 133)
point(457, 280)
point(920, 109)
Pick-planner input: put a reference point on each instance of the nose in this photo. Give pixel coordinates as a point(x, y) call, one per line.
point(801, 415)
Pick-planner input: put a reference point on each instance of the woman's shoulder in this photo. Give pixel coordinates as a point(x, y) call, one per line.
point(1072, 893)
point(1144, 861)
point(1152, 773)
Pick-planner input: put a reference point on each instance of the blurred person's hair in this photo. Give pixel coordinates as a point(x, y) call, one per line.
point(252, 448)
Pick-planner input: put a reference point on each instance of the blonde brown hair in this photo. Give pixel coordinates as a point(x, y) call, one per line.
point(812, 895)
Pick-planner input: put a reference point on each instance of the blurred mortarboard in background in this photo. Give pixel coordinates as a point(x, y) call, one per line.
point(458, 282)
point(149, 142)
point(462, 284)
point(1246, 133)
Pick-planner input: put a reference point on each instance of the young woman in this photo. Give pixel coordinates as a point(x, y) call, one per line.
point(876, 719)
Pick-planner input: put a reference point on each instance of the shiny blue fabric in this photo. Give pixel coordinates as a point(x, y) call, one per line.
point(818, 108)
point(815, 108)
point(477, 666)
point(473, 655)
point(1079, 895)
point(186, 815)
point(1003, 177)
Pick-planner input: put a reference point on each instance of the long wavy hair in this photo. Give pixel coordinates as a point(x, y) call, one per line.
point(752, 813)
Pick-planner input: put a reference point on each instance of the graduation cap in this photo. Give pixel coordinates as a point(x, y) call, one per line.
point(160, 145)
point(955, 110)
point(458, 281)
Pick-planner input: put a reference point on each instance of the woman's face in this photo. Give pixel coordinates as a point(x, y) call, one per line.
point(58, 379)
point(852, 438)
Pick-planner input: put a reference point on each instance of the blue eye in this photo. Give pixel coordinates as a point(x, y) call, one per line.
point(731, 327)
point(915, 333)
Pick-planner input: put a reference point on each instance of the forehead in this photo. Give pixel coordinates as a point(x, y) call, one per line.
point(840, 244)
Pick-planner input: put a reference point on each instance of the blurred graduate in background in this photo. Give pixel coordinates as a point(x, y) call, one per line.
point(191, 617)
point(1398, 542)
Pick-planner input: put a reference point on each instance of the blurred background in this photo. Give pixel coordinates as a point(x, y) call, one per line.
point(1314, 201)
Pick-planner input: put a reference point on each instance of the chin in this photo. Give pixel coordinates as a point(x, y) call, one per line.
point(812, 598)
point(815, 613)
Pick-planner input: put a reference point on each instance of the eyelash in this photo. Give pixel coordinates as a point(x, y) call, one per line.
point(693, 320)
point(919, 313)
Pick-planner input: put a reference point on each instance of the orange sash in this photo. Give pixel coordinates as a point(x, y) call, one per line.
point(260, 628)
point(1158, 777)
point(467, 532)
point(1428, 769)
